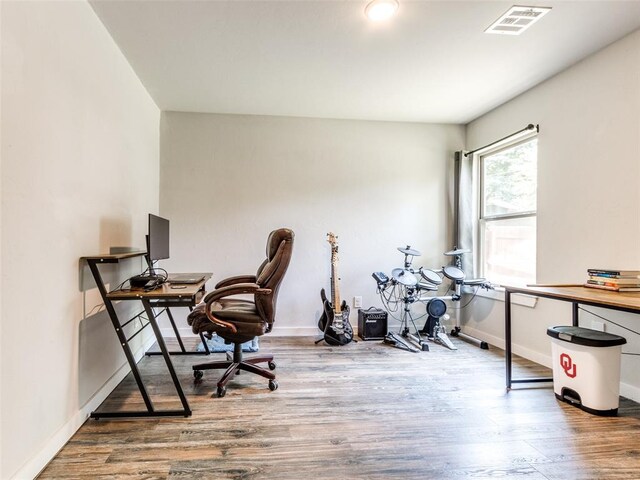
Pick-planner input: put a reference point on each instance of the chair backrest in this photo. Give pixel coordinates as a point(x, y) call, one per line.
point(272, 270)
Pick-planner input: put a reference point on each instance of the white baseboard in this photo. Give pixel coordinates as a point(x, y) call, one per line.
point(519, 350)
point(185, 332)
point(295, 331)
point(629, 391)
point(40, 460)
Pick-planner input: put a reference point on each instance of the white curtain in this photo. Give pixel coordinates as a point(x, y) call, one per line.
point(466, 221)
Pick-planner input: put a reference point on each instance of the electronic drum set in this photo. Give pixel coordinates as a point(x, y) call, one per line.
point(408, 286)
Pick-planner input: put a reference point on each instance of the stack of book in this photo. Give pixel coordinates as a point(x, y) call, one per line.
point(614, 280)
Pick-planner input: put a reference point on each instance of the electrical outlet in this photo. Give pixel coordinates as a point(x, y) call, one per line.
point(596, 325)
point(357, 302)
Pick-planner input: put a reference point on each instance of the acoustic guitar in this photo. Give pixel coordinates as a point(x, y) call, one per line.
point(334, 321)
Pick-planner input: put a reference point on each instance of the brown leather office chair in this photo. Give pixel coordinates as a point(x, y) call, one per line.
point(238, 320)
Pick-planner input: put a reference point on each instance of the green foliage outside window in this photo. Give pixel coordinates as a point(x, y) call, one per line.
point(510, 180)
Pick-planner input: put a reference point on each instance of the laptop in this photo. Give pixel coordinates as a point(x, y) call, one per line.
point(186, 278)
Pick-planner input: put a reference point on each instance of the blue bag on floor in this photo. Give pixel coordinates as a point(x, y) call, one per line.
point(216, 344)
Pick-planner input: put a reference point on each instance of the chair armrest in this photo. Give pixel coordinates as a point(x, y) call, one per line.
point(237, 279)
point(237, 289)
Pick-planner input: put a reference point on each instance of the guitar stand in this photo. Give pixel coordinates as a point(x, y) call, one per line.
point(324, 332)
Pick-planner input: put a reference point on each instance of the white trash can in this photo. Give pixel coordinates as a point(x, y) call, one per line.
point(586, 368)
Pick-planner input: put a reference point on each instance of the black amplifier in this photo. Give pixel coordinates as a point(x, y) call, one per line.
point(372, 324)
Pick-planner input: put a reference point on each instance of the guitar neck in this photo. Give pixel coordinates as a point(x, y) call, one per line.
point(335, 294)
point(335, 290)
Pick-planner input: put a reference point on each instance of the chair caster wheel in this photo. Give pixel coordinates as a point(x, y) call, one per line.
point(198, 374)
point(272, 365)
point(273, 385)
point(220, 392)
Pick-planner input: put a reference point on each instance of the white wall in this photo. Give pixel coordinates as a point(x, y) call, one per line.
point(226, 181)
point(80, 171)
point(588, 191)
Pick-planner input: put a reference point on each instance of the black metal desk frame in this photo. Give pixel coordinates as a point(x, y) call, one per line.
point(149, 301)
point(577, 295)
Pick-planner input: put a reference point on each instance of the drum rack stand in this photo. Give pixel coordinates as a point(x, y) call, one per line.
point(404, 324)
point(457, 329)
point(457, 332)
point(433, 330)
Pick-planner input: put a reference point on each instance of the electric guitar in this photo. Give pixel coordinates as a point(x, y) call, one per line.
point(334, 321)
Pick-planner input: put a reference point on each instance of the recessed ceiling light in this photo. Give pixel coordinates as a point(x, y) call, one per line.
point(381, 9)
point(517, 19)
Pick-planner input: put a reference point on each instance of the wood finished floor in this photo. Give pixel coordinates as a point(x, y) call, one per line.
point(363, 411)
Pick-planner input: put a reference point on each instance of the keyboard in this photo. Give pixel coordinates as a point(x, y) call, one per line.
point(187, 278)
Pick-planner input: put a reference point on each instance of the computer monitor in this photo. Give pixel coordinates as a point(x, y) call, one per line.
point(158, 238)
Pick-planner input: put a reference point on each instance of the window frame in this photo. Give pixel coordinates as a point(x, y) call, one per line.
point(484, 219)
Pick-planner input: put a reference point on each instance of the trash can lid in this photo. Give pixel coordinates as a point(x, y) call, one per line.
point(585, 336)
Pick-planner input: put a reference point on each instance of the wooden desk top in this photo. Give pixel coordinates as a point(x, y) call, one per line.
point(166, 291)
point(113, 257)
point(580, 294)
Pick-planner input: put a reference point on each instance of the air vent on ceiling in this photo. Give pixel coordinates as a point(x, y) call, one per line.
point(517, 19)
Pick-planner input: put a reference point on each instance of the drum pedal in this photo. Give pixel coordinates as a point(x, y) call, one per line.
point(444, 340)
point(394, 341)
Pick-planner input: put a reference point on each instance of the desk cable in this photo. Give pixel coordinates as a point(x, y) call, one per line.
point(614, 323)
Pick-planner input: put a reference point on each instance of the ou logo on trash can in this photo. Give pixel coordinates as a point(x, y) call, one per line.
point(568, 366)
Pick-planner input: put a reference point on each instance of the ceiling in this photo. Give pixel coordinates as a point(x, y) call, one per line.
point(430, 63)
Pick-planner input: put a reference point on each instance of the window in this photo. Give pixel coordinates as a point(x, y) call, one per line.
point(507, 222)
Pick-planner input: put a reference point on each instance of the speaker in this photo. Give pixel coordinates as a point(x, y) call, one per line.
point(372, 324)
